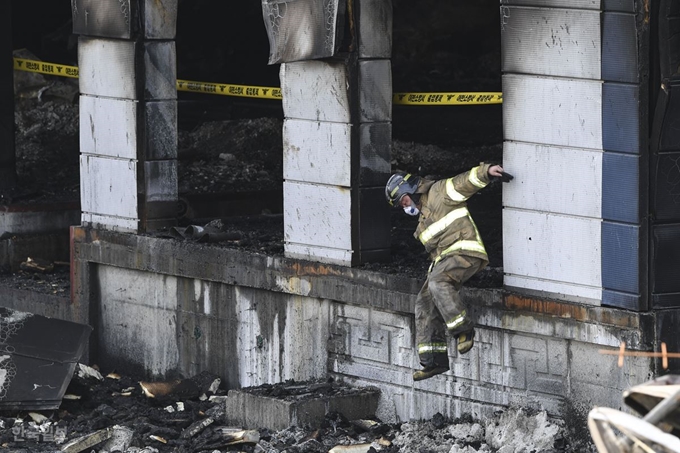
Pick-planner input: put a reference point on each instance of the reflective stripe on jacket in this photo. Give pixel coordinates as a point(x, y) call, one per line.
point(445, 225)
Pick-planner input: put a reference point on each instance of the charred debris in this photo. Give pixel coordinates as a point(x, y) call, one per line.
point(113, 412)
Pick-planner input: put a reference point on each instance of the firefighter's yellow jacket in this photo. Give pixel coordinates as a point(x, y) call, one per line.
point(445, 225)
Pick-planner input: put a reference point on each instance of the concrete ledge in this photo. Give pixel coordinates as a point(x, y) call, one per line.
point(253, 411)
point(392, 293)
point(242, 268)
point(256, 319)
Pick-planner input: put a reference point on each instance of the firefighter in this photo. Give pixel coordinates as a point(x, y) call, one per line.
point(452, 240)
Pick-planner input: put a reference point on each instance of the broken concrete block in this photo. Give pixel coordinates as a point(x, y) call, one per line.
point(247, 408)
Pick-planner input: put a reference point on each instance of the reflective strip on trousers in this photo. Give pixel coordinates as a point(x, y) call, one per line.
point(425, 348)
point(458, 320)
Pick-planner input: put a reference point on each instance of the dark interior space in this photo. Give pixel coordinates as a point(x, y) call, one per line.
point(229, 145)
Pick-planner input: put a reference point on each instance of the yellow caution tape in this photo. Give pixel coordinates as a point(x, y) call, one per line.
point(447, 98)
point(41, 67)
point(230, 90)
point(246, 91)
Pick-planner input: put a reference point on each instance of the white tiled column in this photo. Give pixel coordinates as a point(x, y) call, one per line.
point(128, 112)
point(574, 128)
point(337, 145)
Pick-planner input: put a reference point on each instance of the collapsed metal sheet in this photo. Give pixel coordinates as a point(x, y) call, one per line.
point(303, 29)
point(37, 358)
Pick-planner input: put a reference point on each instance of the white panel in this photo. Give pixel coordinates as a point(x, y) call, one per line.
point(559, 290)
point(317, 152)
point(108, 127)
point(107, 68)
point(550, 41)
point(552, 247)
point(553, 179)
point(315, 90)
point(317, 215)
point(562, 112)
point(108, 186)
point(319, 254)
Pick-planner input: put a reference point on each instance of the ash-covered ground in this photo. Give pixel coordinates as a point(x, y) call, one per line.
point(107, 411)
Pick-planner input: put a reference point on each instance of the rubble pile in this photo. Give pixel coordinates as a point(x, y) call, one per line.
point(111, 412)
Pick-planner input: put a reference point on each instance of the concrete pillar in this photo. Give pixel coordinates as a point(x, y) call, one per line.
point(128, 112)
point(337, 146)
point(7, 152)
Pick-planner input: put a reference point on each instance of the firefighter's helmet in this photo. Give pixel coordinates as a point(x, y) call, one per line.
point(399, 185)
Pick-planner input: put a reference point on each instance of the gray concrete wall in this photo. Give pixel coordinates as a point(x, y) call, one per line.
point(172, 308)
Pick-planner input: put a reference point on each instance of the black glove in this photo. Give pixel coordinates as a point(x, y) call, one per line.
point(506, 177)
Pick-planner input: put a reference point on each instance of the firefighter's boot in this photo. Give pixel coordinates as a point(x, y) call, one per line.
point(432, 365)
point(428, 372)
point(466, 341)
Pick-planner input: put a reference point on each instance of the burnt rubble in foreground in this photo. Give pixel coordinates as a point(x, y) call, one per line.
point(118, 413)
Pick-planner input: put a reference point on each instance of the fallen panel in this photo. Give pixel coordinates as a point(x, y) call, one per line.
point(38, 356)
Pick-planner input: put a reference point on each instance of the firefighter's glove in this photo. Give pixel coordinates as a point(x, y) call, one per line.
point(506, 177)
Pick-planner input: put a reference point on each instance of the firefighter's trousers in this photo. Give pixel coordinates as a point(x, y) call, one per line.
point(439, 308)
